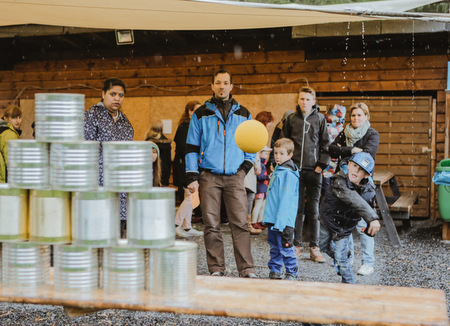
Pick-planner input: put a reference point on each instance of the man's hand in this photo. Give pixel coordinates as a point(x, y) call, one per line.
point(193, 186)
point(374, 227)
point(318, 169)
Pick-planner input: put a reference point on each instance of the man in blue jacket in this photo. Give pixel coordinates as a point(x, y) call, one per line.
point(216, 167)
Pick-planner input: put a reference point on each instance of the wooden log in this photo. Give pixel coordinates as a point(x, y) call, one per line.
point(324, 303)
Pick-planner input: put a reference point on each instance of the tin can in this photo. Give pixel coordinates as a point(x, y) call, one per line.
point(128, 166)
point(25, 264)
point(59, 117)
point(50, 217)
point(123, 270)
point(75, 268)
point(173, 270)
point(95, 218)
point(28, 164)
point(13, 213)
point(151, 216)
point(74, 166)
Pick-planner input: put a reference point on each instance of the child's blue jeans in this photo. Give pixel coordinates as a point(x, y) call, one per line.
point(339, 254)
point(280, 255)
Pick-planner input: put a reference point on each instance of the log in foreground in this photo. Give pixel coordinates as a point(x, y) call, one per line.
point(311, 302)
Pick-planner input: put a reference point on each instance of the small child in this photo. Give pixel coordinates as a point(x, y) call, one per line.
point(262, 181)
point(281, 212)
point(347, 198)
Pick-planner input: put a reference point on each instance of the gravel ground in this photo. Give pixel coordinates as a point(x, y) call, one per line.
point(423, 261)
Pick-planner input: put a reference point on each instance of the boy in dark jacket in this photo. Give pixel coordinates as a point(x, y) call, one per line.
point(281, 211)
point(307, 128)
point(347, 198)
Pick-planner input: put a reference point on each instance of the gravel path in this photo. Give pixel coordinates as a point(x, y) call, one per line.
point(423, 261)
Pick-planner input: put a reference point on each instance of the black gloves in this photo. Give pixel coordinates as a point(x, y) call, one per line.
point(287, 237)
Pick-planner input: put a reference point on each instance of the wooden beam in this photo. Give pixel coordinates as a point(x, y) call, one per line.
point(321, 303)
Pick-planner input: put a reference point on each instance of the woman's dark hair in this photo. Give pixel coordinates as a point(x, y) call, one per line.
point(222, 71)
point(265, 117)
point(189, 107)
point(111, 82)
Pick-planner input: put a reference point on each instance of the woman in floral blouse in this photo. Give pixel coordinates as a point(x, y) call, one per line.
point(105, 122)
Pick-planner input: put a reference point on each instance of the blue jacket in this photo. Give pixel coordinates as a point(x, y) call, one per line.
point(282, 197)
point(210, 143)
point(344, 203)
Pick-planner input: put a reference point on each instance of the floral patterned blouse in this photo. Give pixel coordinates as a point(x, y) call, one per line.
point(99, 125)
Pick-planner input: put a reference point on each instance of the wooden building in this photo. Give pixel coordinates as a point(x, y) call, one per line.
point(401, 76)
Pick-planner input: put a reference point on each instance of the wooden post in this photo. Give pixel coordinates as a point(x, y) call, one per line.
point(447, 123)
point(446, 231)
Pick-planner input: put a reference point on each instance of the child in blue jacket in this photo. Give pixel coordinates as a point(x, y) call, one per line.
point(281, 212)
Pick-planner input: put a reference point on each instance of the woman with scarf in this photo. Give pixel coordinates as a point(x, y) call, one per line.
point(357, 137)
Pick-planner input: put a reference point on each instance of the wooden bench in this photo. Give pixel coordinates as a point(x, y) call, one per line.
point(308, 302)
point(393, 207)
point(401, 208)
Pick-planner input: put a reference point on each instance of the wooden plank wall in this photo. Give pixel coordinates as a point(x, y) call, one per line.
point(161, 85)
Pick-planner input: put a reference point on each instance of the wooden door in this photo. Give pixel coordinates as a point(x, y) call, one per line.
point(405, 127)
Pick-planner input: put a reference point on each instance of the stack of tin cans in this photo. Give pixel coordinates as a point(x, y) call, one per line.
point(53, 198)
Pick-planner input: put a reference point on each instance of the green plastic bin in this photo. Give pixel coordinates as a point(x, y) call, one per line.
point(444, 192)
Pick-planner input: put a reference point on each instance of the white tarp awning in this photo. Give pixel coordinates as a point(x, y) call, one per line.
point(196, 15)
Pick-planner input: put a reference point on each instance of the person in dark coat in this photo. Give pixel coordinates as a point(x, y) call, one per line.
point(155, 134)
point(348, 197)
point(358, 136)
point(183, 217)
point(179, 164)
point(307, 128)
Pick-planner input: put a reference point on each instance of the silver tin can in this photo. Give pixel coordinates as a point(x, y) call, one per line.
point(74, 166)
point(123, 270)
point(25, 264)
point(50, 217)
point(173, 270)
point(13, 213)
point(28, 164)
point(95, 218)
point(75, 268)
point(59, 117)
point(128, 166)
point(151, 216)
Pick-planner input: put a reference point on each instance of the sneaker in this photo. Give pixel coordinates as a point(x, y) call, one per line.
point(365, 270)
point(290, 277)
point(251, 275)
point(254, 231)
point(275, 276)
point(316, 255)
point(336, 267)
point(298, 252)
point(193, 233)
point(181, 233)
point(218, 274)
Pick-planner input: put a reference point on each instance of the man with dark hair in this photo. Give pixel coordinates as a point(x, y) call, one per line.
point(216, 167)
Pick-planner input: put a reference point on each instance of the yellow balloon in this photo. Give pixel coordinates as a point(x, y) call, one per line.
point(251, 136)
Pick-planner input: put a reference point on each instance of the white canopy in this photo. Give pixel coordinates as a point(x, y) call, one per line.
point(197, 15)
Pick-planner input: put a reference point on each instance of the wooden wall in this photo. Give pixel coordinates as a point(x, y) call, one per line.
point(158, 87)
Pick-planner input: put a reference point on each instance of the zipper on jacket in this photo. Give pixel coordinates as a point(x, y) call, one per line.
point(303, 143)
point(224, 146)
